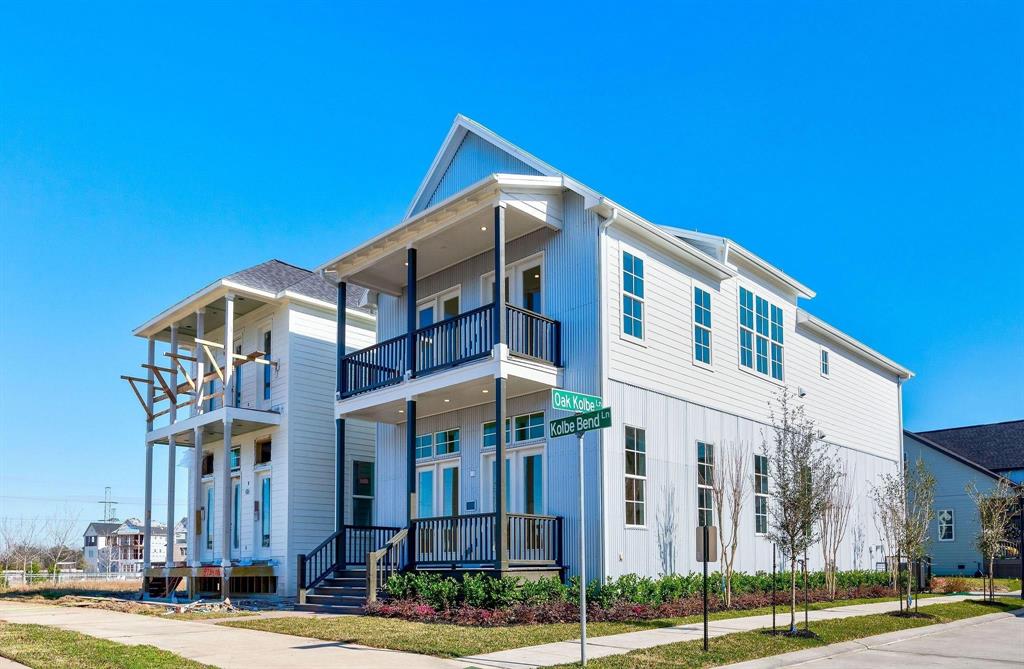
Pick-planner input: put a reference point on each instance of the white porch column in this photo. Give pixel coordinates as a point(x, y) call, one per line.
point(225, 479)
point(172, 454)
point(199, 355)
point(195, 520)
point(229, 349)
point(147, 528)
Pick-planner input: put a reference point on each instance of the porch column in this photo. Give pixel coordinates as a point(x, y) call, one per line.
point(195, 521)
point(342, 324)
point(229, 349)
point(410, 474)
point(147, 528)
point(500, 511)
point(499, 275)
point(225, 496)
point(339, 488)
point(172, 450)
point(200, 359)
point(410, 310)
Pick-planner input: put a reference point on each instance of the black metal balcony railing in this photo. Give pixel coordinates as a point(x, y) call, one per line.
point(451, 342)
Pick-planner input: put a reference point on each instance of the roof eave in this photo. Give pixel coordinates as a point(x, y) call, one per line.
point(838, 336)
point(771, 270)
point(956, 456)
point(198, 300)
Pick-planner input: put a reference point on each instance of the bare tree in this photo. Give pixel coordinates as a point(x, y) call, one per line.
point(21, 539)
point(888, 496)
point(832, 526)
point(996, 510)
point(729, 491)
point(858, 542)
point(801, 472)
point(60, 533)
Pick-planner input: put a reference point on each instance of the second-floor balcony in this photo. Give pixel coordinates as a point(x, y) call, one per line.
point(454, 341)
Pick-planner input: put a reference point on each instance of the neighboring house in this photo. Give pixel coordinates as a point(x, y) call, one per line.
point(96, 541)
point(687, 336)
point(948, 456)
point(258, 432)
point(998, 447)
point(127, 543)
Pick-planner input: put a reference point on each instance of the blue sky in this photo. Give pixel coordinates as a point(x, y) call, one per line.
point(872, 150)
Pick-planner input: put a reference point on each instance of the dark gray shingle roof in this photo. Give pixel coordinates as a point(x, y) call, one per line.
point(996, 446)
point(102, 529)
point(275, 276)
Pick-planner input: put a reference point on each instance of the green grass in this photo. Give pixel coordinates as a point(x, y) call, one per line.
point(448, 640)
point(744, 646)
point(52, 648)
point(1001, 584)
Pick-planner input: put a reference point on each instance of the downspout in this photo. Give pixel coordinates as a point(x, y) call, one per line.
point(603, 325)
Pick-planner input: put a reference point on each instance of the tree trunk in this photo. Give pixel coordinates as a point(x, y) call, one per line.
point(792, 596)
point(991, 578)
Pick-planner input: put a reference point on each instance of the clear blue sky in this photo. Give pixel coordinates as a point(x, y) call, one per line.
point(875, 151)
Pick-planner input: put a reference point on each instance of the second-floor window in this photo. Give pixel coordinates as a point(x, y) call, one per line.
point(632, 295)
point(946, 530)
point(761, 335)
point(761, 494)
point(267, 369)
point(701, 325)
point(824, 362)
point(238, 378)
point(636, 476)
point(705, 477)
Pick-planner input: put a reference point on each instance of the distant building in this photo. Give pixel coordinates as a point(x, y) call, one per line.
point(96, 544)
point(947, 454)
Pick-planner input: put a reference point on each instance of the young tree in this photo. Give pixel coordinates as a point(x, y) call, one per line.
point(729, 491)
point(801, 471)
point(60, 536)
point(888, 496)
point(832, 526)
point(21, 543)
point(996, 510)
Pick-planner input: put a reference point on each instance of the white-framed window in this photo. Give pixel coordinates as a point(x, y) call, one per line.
point(446, 442)
point(438, 307)
point(636, 476)
point(424, 446)
point(761, 335)
point(529, 426)
point(761, 494)
point(701, 326)
point(208, 518)
point(237, 381)
point(264, 453)
point(362, 493)
point(705, 477)
point(437, 489)
point(490, 439)
point(947, 531)
point(525, 480)
point(524, 284)
point(632, 295)
point(236, 458)
point(268, 370)
point(265, 512)
point(825, 369)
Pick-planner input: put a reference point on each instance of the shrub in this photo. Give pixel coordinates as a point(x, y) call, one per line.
point(951, 584)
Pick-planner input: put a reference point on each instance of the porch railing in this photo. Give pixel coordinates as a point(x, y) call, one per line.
point(453, 341)
point(384, 562)
point(459, 541)
point(534, 539)
point(349, 546)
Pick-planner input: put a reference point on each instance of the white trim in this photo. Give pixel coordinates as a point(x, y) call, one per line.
point(766, 376)
point(437, 467)
point(824, 363)
point(625, 248)
point(437, 300)
point(517, 456)
point(694, 287)
point(513, 272)
point(824, 329)
point(626, 476)
point(952, 525)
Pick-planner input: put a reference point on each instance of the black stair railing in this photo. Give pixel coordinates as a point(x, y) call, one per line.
point(333, 555)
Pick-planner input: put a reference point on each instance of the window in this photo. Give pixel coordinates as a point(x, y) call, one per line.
point(362, 493)
point(237, 383)
point(236, 458)
point(208, 517)
point(530, 426)
point(424, 446)
point(207, 464)
point(90, 541)
point(263, 452)
point(265, 513)
point(267, 369)
point(636, 475)
point(701, 325)
point(491, 438)
point(946, 532)
point(761, 494)
point(761, 335)
point(705, 477)
point(447, 442)
point(632, 295)
point(824, 362)
point(236, 512)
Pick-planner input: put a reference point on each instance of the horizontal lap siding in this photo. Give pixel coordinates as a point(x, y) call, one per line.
point(857, 406)
point(673, 427)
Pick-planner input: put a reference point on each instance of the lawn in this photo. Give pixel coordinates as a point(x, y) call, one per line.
point(53, 648)
point(744, 646)
point(447, 640)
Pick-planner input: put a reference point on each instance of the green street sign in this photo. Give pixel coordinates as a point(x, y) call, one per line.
point(567, 400)
point(580, 423)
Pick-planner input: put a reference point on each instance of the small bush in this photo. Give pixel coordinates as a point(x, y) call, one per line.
point(951, 584)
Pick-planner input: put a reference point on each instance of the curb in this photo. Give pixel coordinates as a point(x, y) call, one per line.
point(801, 656)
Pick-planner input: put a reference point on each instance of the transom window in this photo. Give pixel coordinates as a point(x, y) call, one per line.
point(761, 494)
point(701, 325)
point(207, 464)
point(761, 335)
point(824, 362)
point(447, 442)
point(705, 477)
point(424, 446)
point(236, 458)
point(946, 529)
point(636, 476)
point(264, 452)
point(491, 436)
point(632, 295)
point(530, 426)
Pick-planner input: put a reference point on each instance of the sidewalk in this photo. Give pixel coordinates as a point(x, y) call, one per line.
point(992, 641)
point(225, 647)
point(617, 644)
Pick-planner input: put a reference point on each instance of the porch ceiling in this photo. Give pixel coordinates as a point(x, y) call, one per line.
point(212, 424)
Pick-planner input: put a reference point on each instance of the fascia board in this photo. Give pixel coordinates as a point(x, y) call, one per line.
point(839, 337)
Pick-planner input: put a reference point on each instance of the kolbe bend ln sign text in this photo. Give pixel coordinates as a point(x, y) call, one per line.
point(584, 422)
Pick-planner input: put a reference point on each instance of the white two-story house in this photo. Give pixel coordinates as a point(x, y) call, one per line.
point(687, 336)
point(241, 389)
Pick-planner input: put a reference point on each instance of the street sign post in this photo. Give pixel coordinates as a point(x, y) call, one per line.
point(707, 551)
point(596, 417)
point(568, 400)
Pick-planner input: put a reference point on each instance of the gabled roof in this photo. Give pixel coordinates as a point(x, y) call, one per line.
point(995, 446)
point(925, 441)
point(278, 277)
point(102, 529)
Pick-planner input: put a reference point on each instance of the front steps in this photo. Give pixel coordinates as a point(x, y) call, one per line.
point(344, 592)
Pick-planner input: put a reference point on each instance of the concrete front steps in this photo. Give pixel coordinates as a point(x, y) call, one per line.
point(344, 592)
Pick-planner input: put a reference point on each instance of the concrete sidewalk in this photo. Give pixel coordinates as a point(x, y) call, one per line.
point(993, 641)
point(225, 647)
point(564, 652)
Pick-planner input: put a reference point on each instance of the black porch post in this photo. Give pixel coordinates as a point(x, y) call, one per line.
point(410, 310)
point(339, 433)
point(501, 512)
point(410, 476)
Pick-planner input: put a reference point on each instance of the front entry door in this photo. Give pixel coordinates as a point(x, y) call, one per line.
point(209, 514)
point(262, 515)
